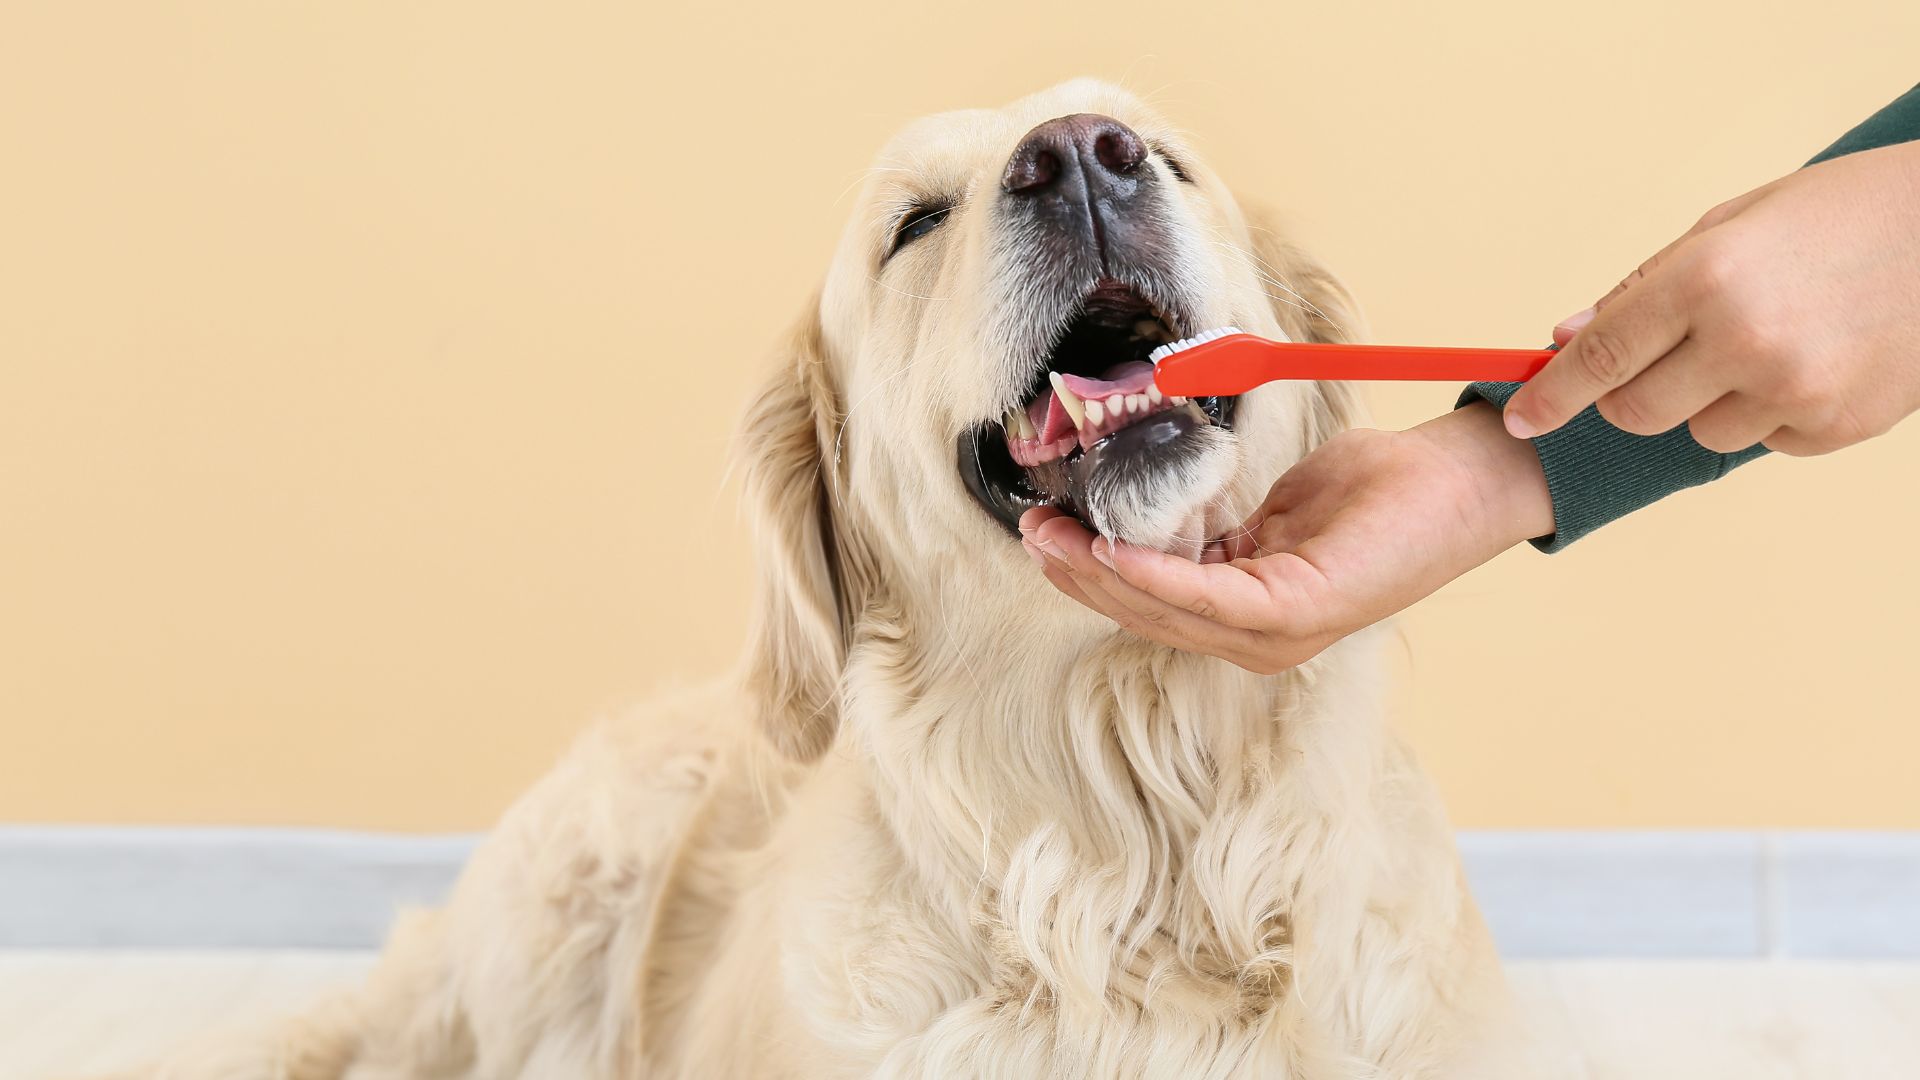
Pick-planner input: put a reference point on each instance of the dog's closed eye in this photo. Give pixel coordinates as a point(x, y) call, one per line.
point(918, 222)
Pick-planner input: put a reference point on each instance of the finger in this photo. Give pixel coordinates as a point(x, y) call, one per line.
point(1080, 585)
point(1563, 332)
point(1134, 609)
point(1798, 443)
point(1733, 423)
point(1219, 592)
point(1271, 528)
point(1572, 324)
point(1621, 341)
point(1814, 441)
point(1036, 516)
point(1242, 542)
point(1670, 392)
point(1640, 273)
point(1051, 565)
point(1056, 573)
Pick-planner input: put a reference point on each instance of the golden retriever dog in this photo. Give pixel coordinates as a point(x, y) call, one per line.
point(945, 822)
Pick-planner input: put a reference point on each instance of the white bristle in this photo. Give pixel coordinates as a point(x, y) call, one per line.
point(1172, 347)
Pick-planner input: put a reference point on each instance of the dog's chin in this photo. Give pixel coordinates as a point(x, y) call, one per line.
point(1152, 484)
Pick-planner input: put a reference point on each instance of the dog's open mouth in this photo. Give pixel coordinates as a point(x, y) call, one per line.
point(1091, 408)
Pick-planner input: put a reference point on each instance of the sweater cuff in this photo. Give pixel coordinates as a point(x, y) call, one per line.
point(1597, 473)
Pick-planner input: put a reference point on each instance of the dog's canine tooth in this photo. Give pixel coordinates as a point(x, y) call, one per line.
point(1068, 400)
point(1095, 411)
point(1016, 424)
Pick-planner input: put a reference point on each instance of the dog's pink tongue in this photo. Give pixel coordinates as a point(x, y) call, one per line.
point(1050, 417)
point(1132, 377)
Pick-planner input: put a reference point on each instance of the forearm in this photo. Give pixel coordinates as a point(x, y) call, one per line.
point(1511, 499)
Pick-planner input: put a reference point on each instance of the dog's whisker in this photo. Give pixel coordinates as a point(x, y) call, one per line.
point(1273, 277)
point(840, 434)
point(1267, 274)
point(1221, 539)
point(901, 292)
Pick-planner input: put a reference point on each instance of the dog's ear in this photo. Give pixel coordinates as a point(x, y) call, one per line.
point(1311, 305)
point(806, 598)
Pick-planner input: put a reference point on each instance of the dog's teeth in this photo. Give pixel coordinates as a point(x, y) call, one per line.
point(1095, 411)
point(1177, 400)
point(1068, 400)
point(1026, 426)
point(1154, 395)
point(1136, 402)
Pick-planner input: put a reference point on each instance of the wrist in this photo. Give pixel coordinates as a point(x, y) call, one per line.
point(1502, 475)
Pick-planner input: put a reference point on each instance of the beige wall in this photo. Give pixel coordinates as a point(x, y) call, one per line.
point(365, 370)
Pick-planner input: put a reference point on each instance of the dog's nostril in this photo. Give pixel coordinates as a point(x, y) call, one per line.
point(1035, 168)
point(1100, 144)
point(1119, 150)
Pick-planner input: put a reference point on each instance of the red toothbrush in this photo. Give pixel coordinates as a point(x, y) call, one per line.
point(1228, 361)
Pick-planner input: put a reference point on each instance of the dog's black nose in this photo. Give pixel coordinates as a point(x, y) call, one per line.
point(1097, 149)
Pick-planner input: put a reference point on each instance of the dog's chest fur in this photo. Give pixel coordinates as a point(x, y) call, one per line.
point(1110, 879)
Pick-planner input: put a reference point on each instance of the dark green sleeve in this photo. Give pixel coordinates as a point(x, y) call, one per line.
point(1597, 473)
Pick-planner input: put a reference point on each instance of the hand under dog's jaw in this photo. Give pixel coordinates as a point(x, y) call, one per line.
point(1092, 436)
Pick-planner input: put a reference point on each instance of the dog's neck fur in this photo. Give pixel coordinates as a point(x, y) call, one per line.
point(1119, 815)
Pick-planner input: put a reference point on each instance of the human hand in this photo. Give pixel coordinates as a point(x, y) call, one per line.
point(1788, 316)
point(1358, 530)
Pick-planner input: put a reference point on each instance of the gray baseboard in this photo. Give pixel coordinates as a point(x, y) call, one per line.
point(80, 887)
point(1545, 893)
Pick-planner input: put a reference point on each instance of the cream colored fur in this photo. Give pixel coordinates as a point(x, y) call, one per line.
point(945, 823)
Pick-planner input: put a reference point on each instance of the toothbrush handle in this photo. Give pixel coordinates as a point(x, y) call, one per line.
point(1237, 363)
point(1408, 363)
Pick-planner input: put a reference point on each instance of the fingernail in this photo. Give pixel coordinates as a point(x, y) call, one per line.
point(1034, 554)
point(1051, 550)
point(1101, 553)
point(1519, 426)
point(1572, 323)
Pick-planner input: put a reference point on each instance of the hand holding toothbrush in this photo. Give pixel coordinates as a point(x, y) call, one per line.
point(1789, 316)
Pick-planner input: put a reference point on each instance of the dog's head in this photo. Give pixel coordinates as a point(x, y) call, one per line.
point(980, 347)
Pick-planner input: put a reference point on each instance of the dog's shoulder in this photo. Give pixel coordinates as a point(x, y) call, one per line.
point(554, 915)
point(629, 784)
